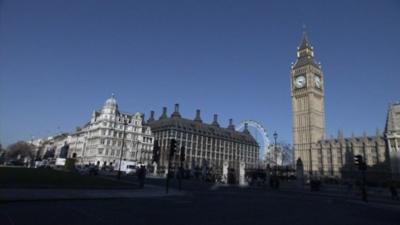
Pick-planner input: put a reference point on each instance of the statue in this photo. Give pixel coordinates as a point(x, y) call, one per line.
point(299, 173)
point(155, 169)
point(242, 171)
point(225, 172)
point(267, 174)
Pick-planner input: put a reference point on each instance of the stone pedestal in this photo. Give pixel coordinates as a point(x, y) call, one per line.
point(267, 174)
point(155, 169)
point(166, 172)
point(225, 172)
point(242, 180)
point(299, 174)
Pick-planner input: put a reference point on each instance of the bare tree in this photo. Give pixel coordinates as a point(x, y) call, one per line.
point(20, 150)
point(2, 154)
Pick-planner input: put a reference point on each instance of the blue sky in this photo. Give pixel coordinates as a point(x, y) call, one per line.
point(60, 60)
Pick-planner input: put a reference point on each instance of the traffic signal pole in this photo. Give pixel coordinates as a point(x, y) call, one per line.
point(180, 176)
point(362, 166)
point(172, 150)
point(182, 158)
point(156, 155)
point(169, 168)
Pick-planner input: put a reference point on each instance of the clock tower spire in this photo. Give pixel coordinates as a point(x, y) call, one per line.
point(307, 91)
point(305, 53)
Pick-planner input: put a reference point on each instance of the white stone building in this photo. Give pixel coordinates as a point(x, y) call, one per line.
point(99, 142)
point(110, 131)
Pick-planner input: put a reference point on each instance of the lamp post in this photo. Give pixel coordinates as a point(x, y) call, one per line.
point(275, 155)
point(122, 150)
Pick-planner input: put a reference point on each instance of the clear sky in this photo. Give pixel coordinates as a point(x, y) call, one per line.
point(60, 60)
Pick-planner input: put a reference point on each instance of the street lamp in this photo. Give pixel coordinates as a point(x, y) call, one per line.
point(122, 149)
point(275, 155)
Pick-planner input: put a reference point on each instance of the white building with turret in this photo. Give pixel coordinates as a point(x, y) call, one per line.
point(111, 135)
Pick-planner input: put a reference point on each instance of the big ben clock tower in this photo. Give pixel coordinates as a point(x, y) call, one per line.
point(307, 87)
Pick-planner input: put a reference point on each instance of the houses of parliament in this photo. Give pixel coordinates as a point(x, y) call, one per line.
point(335, 157)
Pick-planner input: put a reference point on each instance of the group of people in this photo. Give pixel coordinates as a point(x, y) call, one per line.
point(274, 182)
point(141, 175)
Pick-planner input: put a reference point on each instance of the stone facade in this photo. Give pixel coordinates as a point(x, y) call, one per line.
point(392, 134)
point(104, 137)
point(335, 157)
point(307, 85)
point(99, 142)
point(205, 144)
point(77, 144)
point(321, 156)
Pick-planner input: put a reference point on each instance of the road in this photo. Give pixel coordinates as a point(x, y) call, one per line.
point(227, 205)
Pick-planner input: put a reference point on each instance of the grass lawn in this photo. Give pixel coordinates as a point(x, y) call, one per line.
point(12, 177)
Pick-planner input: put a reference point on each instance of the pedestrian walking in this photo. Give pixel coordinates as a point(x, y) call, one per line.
point(364, 194)
point(349, 188)
point(142, 176)
point(393, 191)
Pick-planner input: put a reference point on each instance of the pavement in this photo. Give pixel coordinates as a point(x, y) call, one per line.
point(47, 194)
point(155, 187)
point(227, 205)
point(375, 195)
point(13, 195)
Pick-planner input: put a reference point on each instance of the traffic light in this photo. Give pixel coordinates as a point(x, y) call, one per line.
point(182, 155)
point(156, 152)
point(172, 148)
point(358, 161)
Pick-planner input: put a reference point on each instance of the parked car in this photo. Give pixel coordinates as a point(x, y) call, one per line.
point(131, 169)
point(93, 170)
point(88, 170)
point(107, 168)
point(15, 163)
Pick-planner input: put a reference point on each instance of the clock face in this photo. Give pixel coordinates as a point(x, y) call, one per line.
point(317, 81)
point(300, 81)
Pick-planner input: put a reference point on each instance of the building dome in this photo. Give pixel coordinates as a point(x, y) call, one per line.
point(110, 106)
point(111, 102)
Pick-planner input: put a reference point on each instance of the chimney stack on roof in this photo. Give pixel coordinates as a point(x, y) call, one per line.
point(198, 118)
point(164, 113)
point(151, 119)
point(142, 116)
point(215, 121)
point(176, 112)
point(231, 126)
point(246, 128)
